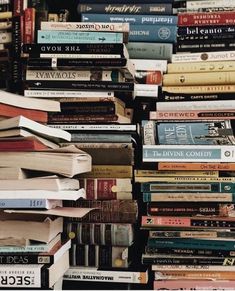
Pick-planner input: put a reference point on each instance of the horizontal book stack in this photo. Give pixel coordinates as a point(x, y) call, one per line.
point(190, 215)
point(90, 74)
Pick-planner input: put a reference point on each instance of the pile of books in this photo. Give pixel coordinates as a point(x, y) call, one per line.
point(190, 216)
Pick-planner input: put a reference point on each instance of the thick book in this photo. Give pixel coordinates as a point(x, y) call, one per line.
point(130, 275)
point(21, 144)
point(37, 128)
point(34, 275)
point(47, 258)
point(47, 36)
point(68, 161)
point(155, 132)
point(116, 234)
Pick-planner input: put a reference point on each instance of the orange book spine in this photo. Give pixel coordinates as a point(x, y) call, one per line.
point(12, 111)
point(165, 166)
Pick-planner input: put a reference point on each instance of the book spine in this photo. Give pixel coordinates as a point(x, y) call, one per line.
point(132, 19)
point(192, 234)
point(67, 94)
point(205, 45)
point(25, 259)
point(81, 118)
point(81, 75)
point(5, 37)
point(78, 37)
point(159, 8)
point(37, 49)
point(194, 243)
point(209, 3)
point(149, 77)
point(121, 1)
point(200, 89)
point(5, 25)
point(188, 261)
point(55, 62)
point(151, 250)
point(104, 189)
point(97, 138)
point(206, 19)
point(153, 33)
point(171, 97)
point(29, 25)
point(154, 221)
point(193, 197)
point(197, 166)
point(81, 85)
point(192, 115)
point(95, 127)
point(161, 51)
point(23, 203)
point(204, 57)
point(13, 277)
point(184, 209)
point(190, 31)
point(96, 275)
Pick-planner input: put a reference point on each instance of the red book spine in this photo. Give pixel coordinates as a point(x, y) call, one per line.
point(205, 18)
point(29, 25)
point(18, 7)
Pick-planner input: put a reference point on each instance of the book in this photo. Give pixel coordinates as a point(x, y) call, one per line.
point(40, 228)
point(104, 275)
point(60, 36)
point(217, 132)
point(188, 222)
point(51, 183)
point(26, 103)
point(35, 127)
point(96, 127)
point(71, 161)
point(115, 234)
point(194, 5)
point(210, 78)
point(188, 153)
point(103, 189)
point(197, 166)
point(12, 173)
point(227, 234)
point(130, 18)
point(21, 144)
point(46, 258)
point(102, 8)
point(37, 276)
point(204, 57)
point(30, 203)
point(8, 111)
point(109, 171)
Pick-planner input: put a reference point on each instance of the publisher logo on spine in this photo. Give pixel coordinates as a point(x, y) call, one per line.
point(164, 33)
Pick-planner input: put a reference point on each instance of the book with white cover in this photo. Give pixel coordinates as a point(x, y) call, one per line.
point(35, 127)
point(21, 101)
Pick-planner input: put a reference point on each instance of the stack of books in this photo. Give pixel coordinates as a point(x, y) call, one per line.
point(90, 74)
point(190, 216)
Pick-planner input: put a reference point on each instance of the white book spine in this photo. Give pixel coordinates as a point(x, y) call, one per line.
point(66, 94)
point(203, 268)
point(196, 105)
point(108, 127)
point(150, 65)
point(89, 26)
point(20, 276)
point(204, 57)
point(92, 274)
point(209, 4)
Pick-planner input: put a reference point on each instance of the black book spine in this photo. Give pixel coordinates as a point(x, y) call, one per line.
point(26, 259)
point(208, 37)
point(123, 1)
point(166, 96)
point(189, 252)
point(37, 49)
point(81, 85)
point(188, 261)
point(203, 47)
point(61, 63)
point(155, 8)
point(207, 223)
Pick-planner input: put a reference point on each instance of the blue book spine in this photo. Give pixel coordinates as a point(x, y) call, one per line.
point(153, 33)
point(185, 243)
point(23, 203)
point(132, 19)
point(79, 37)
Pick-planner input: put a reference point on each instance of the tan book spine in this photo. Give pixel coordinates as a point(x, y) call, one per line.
point(196, 166)
point(211, 78)
point(175, 173)
point(109, 171)
point(200, 89)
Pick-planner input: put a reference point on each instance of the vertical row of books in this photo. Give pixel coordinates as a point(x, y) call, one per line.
point(35, 178)
point(191, 132)
point(90, 74)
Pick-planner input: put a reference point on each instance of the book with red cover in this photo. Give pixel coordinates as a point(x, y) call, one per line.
point(12, 111)
point(21, 144)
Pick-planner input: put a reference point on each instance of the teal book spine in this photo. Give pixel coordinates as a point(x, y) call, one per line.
point(184, 243)
point(77, 37)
